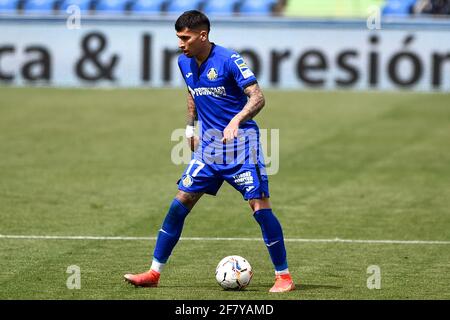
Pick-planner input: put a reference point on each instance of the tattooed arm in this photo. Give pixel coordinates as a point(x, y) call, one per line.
point(254, 105)
point(190, 121)
point(191, 111)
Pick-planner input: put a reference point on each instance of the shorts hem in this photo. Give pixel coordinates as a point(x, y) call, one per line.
point(211, 193)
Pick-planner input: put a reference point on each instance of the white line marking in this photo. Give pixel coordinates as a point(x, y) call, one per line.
point(335, 240)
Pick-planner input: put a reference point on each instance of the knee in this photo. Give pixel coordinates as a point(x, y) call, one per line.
point(258, 204)
point(187, 199)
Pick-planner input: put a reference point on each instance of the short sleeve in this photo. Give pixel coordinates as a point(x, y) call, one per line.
point(241, 73)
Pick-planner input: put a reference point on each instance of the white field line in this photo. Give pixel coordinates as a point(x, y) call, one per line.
point(335, 240)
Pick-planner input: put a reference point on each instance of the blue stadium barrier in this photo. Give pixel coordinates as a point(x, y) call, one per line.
point(8, 6)
point(257, 7)
point(39, 6)
point(84, 5)
point(111, 6)
point(179, 6)
point(224, 8)
point(398, 7)
point(147, 6)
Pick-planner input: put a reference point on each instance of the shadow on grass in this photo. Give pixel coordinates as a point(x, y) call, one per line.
point(297, 287)
point(252, 288)
point(317, 286)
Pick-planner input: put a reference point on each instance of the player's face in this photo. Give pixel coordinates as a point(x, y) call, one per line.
point(191, 41)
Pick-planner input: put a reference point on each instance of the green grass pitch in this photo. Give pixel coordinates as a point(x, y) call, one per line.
point(372, 166)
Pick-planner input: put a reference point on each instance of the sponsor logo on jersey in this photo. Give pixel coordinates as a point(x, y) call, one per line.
point(212, 74)
point(187, 181)
point(188, 75)
point(243, 68)
point(205, 91)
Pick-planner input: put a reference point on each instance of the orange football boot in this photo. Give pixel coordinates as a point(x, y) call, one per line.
point(283, 283)
point(146, 279)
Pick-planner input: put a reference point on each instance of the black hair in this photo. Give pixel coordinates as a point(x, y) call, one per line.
point(192, 19)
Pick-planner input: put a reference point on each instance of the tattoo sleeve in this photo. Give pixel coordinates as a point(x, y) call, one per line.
point(191, 111)
point(254, 104)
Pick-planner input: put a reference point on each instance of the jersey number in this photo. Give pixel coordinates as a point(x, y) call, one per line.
point(193, 162)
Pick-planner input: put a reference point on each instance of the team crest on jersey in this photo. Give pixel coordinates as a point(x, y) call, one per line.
point(212, 74)
point(187, 181)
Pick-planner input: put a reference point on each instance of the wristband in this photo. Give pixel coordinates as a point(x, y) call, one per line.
point(189, 131)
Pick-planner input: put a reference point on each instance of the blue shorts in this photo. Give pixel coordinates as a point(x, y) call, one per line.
point(250, 179)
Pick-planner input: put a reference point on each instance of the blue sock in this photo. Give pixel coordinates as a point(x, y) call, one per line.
point(170, 231)
point(273, 237)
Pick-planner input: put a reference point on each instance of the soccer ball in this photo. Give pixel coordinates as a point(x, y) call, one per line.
point(234, 273)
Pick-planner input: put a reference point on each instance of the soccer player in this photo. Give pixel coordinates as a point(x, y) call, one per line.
point(224, 96)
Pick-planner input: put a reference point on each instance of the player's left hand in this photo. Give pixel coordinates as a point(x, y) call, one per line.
point(193, 143)
point(231, 131)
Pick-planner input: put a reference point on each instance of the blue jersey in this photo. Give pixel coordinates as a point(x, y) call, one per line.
point(217, 87)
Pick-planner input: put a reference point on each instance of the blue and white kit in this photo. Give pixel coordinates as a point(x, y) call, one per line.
point(217, 87)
